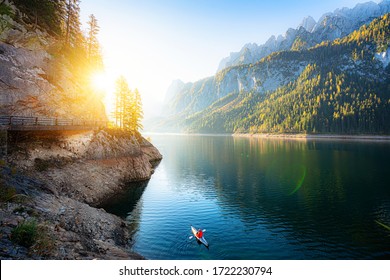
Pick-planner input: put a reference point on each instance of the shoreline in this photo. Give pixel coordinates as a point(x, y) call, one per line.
point(298, 136)
point(305, 137)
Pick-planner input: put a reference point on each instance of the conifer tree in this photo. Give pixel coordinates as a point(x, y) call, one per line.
point(73, 34)
point(128, 107)
point(47, 14)
point(138, 112)
point(93, 48)
point(122, 90)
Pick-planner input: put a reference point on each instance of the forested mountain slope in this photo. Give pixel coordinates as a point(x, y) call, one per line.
point(341, 86)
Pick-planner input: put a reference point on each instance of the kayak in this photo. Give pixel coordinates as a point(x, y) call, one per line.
point(202, 239)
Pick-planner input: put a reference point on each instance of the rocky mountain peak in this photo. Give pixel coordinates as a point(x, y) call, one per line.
point(175, 86)
point(330, 26)
point(308, 23)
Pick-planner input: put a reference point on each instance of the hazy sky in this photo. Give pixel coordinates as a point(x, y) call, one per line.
point(153, 42)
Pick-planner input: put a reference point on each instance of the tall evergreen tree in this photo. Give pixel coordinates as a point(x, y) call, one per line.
point(122, 90)
point(128, 107)
point(93, 47)
point(47, 14)
point(138, 111)
point(72, 24)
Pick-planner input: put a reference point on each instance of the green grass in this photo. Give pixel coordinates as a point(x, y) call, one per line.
point(25, 234)
point(34, 236)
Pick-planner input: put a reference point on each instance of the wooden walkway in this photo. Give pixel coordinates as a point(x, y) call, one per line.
point(42, 124)
point(18, 123)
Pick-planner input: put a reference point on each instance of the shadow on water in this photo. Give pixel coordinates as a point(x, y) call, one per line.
point(124, 203)
point(283, 199)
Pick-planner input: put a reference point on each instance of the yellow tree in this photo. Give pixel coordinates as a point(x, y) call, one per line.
point(138, 113)
point(128, 107)
point(122, 90)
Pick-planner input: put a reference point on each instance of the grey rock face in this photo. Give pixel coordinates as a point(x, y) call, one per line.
point(329, 27)
point(35, 80)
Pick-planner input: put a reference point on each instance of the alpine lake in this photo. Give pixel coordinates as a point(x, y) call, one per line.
point(262, 199)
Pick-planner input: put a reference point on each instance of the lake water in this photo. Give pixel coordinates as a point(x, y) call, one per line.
point(262, 199)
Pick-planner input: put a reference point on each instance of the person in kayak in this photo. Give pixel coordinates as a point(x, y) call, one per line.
point(199, 233)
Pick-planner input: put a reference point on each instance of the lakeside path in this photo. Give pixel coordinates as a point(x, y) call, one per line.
point(304, 137)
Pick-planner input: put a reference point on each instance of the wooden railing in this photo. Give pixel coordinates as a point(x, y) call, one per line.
point(17, 121)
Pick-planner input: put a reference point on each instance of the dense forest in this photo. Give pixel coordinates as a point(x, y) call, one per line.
point(343, 89)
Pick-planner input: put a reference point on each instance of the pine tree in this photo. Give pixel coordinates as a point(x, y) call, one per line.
point(122, 90)
point(73, 33)
point(128, 107)
point(138, 112)
point(93, 47)
point(47, 14)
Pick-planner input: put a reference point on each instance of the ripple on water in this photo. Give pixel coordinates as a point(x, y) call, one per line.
point(247, 205)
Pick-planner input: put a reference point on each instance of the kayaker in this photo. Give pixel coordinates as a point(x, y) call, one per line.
point(199, 234)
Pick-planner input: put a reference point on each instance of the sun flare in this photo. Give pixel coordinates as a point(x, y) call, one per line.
point(104, 83)
point(101, 81)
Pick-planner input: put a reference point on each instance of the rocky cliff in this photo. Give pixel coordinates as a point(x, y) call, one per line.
point(89, 167)
point(62, 180)
point(36, 78)
point(194, 97)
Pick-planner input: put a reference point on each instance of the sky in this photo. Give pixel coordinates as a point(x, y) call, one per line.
point(153, 42)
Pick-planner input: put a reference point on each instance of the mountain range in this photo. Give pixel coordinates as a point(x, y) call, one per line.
point(330, 76)
point(309, 33)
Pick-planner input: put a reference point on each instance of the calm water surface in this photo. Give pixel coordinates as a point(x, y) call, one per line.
point(262, 199)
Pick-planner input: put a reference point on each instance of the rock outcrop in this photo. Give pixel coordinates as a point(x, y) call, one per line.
point(64, 179)
point(90, 167)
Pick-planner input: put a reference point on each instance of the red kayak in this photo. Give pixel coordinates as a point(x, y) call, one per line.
point(202, 239)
